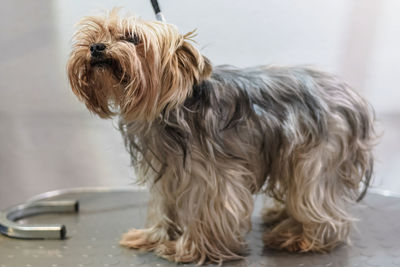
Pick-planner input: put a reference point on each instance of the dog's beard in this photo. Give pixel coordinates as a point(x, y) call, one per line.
point(104, 100)
point(110, 67)
point(102, 82)
point(101, 62)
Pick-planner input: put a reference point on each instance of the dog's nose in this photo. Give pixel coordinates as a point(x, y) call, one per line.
point(97, 49)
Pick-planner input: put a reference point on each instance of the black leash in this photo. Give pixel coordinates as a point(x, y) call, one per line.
point(157, 11)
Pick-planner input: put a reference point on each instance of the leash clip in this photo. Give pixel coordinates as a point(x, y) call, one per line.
point(157, 11)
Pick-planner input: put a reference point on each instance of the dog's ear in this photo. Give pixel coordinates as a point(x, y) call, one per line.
point(181, 70)
point(167, 74)
point(191, 62)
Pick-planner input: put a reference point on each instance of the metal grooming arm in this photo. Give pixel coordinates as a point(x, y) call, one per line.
point(157, 11)
point(9, 227)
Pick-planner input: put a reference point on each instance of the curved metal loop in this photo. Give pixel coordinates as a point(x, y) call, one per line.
point(39, 205)
point(8, 218)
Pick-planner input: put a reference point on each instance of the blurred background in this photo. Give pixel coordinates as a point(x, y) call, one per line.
point(48, 140)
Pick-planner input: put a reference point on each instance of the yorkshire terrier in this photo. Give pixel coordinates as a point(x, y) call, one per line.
point(207, 138)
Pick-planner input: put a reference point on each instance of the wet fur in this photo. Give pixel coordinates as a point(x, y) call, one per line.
point(205, 139)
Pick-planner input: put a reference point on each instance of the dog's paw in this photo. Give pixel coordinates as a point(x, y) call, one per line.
point(288, 235)
point(287, 241)
point(182, 250)
point(139, 239)
point(182, 253)
point(149, 240)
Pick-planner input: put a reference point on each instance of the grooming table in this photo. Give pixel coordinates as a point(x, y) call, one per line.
point(92, 234)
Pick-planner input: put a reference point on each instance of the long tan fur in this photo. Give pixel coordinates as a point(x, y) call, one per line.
point(206, 139)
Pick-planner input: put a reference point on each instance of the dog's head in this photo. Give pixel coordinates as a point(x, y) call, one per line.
point(132, 67)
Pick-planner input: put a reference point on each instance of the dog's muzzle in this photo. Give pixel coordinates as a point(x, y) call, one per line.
point(97, 50)
point(98, 56)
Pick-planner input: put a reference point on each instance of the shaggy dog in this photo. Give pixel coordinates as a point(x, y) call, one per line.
point(207, 138)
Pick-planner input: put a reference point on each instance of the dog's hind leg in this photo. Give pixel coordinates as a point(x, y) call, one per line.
point(317, 186)
point(274, 214)
point(315, 204)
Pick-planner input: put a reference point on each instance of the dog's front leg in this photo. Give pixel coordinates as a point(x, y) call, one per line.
point(158, 225)
point(211, 211)
point(201, 218)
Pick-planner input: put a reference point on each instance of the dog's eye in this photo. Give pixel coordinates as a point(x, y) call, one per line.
point(133, 39)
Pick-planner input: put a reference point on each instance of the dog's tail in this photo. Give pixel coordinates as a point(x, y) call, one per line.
point(361, 162)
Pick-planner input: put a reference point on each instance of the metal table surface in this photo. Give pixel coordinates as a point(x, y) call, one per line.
point(93, 235)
